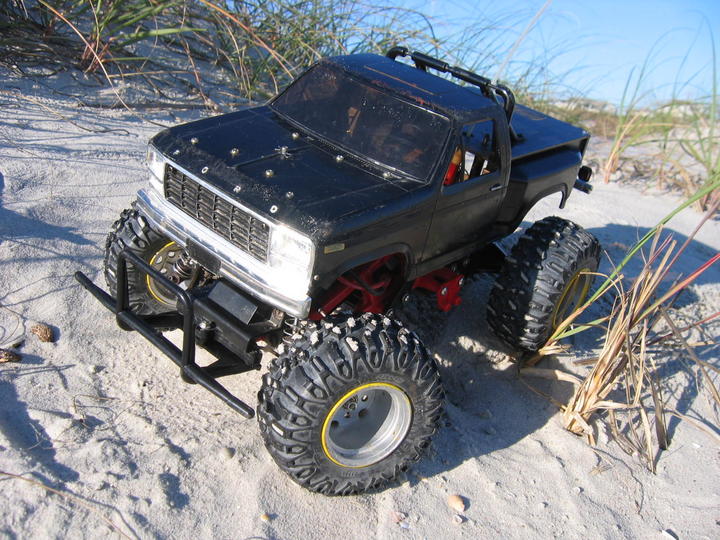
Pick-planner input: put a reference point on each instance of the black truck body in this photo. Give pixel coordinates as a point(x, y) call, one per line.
point(350, 202)
point(272, 229)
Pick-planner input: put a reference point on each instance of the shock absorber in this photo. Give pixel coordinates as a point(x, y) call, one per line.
point(291, 326)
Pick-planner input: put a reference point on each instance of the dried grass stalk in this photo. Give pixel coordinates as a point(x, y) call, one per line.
point(624, 363)
point(72, 499)
point(623, 360)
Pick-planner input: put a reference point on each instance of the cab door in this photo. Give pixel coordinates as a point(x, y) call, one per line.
point(473, 189)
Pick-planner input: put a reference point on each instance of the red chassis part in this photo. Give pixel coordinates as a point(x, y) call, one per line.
point(374, 281)
point(445, 284)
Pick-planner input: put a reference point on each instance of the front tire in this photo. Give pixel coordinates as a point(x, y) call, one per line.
point(132, 231)
point(546, 277)
point(350, 405)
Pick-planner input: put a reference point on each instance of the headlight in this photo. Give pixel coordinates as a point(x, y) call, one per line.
point(291, 258)
point(156, 163)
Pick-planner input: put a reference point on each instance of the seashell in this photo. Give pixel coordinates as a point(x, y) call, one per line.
point(398, 517)
point(457, 503)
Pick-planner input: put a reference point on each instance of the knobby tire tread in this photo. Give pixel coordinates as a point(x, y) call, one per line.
point(326, 360)
point(523, 298)
point(133, 232)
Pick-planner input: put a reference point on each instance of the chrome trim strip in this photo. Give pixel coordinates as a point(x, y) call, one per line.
point(235, 264)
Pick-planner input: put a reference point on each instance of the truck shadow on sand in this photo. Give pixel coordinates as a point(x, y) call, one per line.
point(489, 407)
point(15, 226)
point(617, 239)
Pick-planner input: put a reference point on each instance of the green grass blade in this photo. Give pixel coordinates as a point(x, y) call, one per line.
point(155, 33)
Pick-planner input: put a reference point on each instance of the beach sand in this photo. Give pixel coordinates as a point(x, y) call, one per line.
point(102, 417)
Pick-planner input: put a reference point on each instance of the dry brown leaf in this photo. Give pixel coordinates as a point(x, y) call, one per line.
point(599, 469)
point(7, 355)
point(43, 332)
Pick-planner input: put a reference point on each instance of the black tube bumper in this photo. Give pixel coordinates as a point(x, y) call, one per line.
point(148, 326)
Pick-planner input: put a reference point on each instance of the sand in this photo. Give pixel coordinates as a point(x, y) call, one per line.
point(102, 417)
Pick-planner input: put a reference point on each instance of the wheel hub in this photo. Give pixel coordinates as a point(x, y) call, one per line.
point(366, 425)
point(165, 261)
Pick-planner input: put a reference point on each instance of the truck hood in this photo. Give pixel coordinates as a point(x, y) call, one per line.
point(258, 159)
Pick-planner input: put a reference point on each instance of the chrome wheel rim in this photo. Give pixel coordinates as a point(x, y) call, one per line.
point(366, 425)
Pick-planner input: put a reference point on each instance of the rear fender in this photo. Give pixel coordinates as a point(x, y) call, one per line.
point(558, 188)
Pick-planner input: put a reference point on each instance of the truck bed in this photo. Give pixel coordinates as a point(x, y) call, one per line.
point(545, 161)
point(541, 132)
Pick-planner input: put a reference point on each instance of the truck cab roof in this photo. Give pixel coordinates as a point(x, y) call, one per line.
point(461, 103)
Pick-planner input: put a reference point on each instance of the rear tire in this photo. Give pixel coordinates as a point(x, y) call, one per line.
point(350, 405)
point(545, 278)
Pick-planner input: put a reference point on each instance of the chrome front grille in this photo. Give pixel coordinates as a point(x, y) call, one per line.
point(242, 229)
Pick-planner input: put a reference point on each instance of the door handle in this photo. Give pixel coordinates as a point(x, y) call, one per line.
point(496, 187)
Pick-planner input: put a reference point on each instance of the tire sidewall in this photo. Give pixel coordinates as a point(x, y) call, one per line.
point(132, 232)
point(526, 295)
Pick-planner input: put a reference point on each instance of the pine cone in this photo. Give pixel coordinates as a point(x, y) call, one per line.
point(43, 332)
point(7, 355)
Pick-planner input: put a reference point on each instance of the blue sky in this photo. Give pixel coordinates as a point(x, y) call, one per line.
point(599, 42)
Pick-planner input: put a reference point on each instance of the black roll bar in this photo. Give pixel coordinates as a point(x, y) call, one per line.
point(493, 90)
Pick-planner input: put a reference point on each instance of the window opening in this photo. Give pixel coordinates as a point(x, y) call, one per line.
point(476, 155)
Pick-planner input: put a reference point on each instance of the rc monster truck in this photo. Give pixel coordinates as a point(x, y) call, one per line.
point(294, 228)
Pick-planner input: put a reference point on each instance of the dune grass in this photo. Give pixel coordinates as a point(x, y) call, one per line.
point(682, 133)
point(686, 133)
point(641, 305)
point(251, 48)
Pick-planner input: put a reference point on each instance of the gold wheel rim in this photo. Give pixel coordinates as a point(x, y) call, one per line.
point(572, 296)
point(156, 261)
point(384, 434)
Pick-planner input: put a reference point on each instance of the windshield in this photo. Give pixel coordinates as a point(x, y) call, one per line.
point(365, 120)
